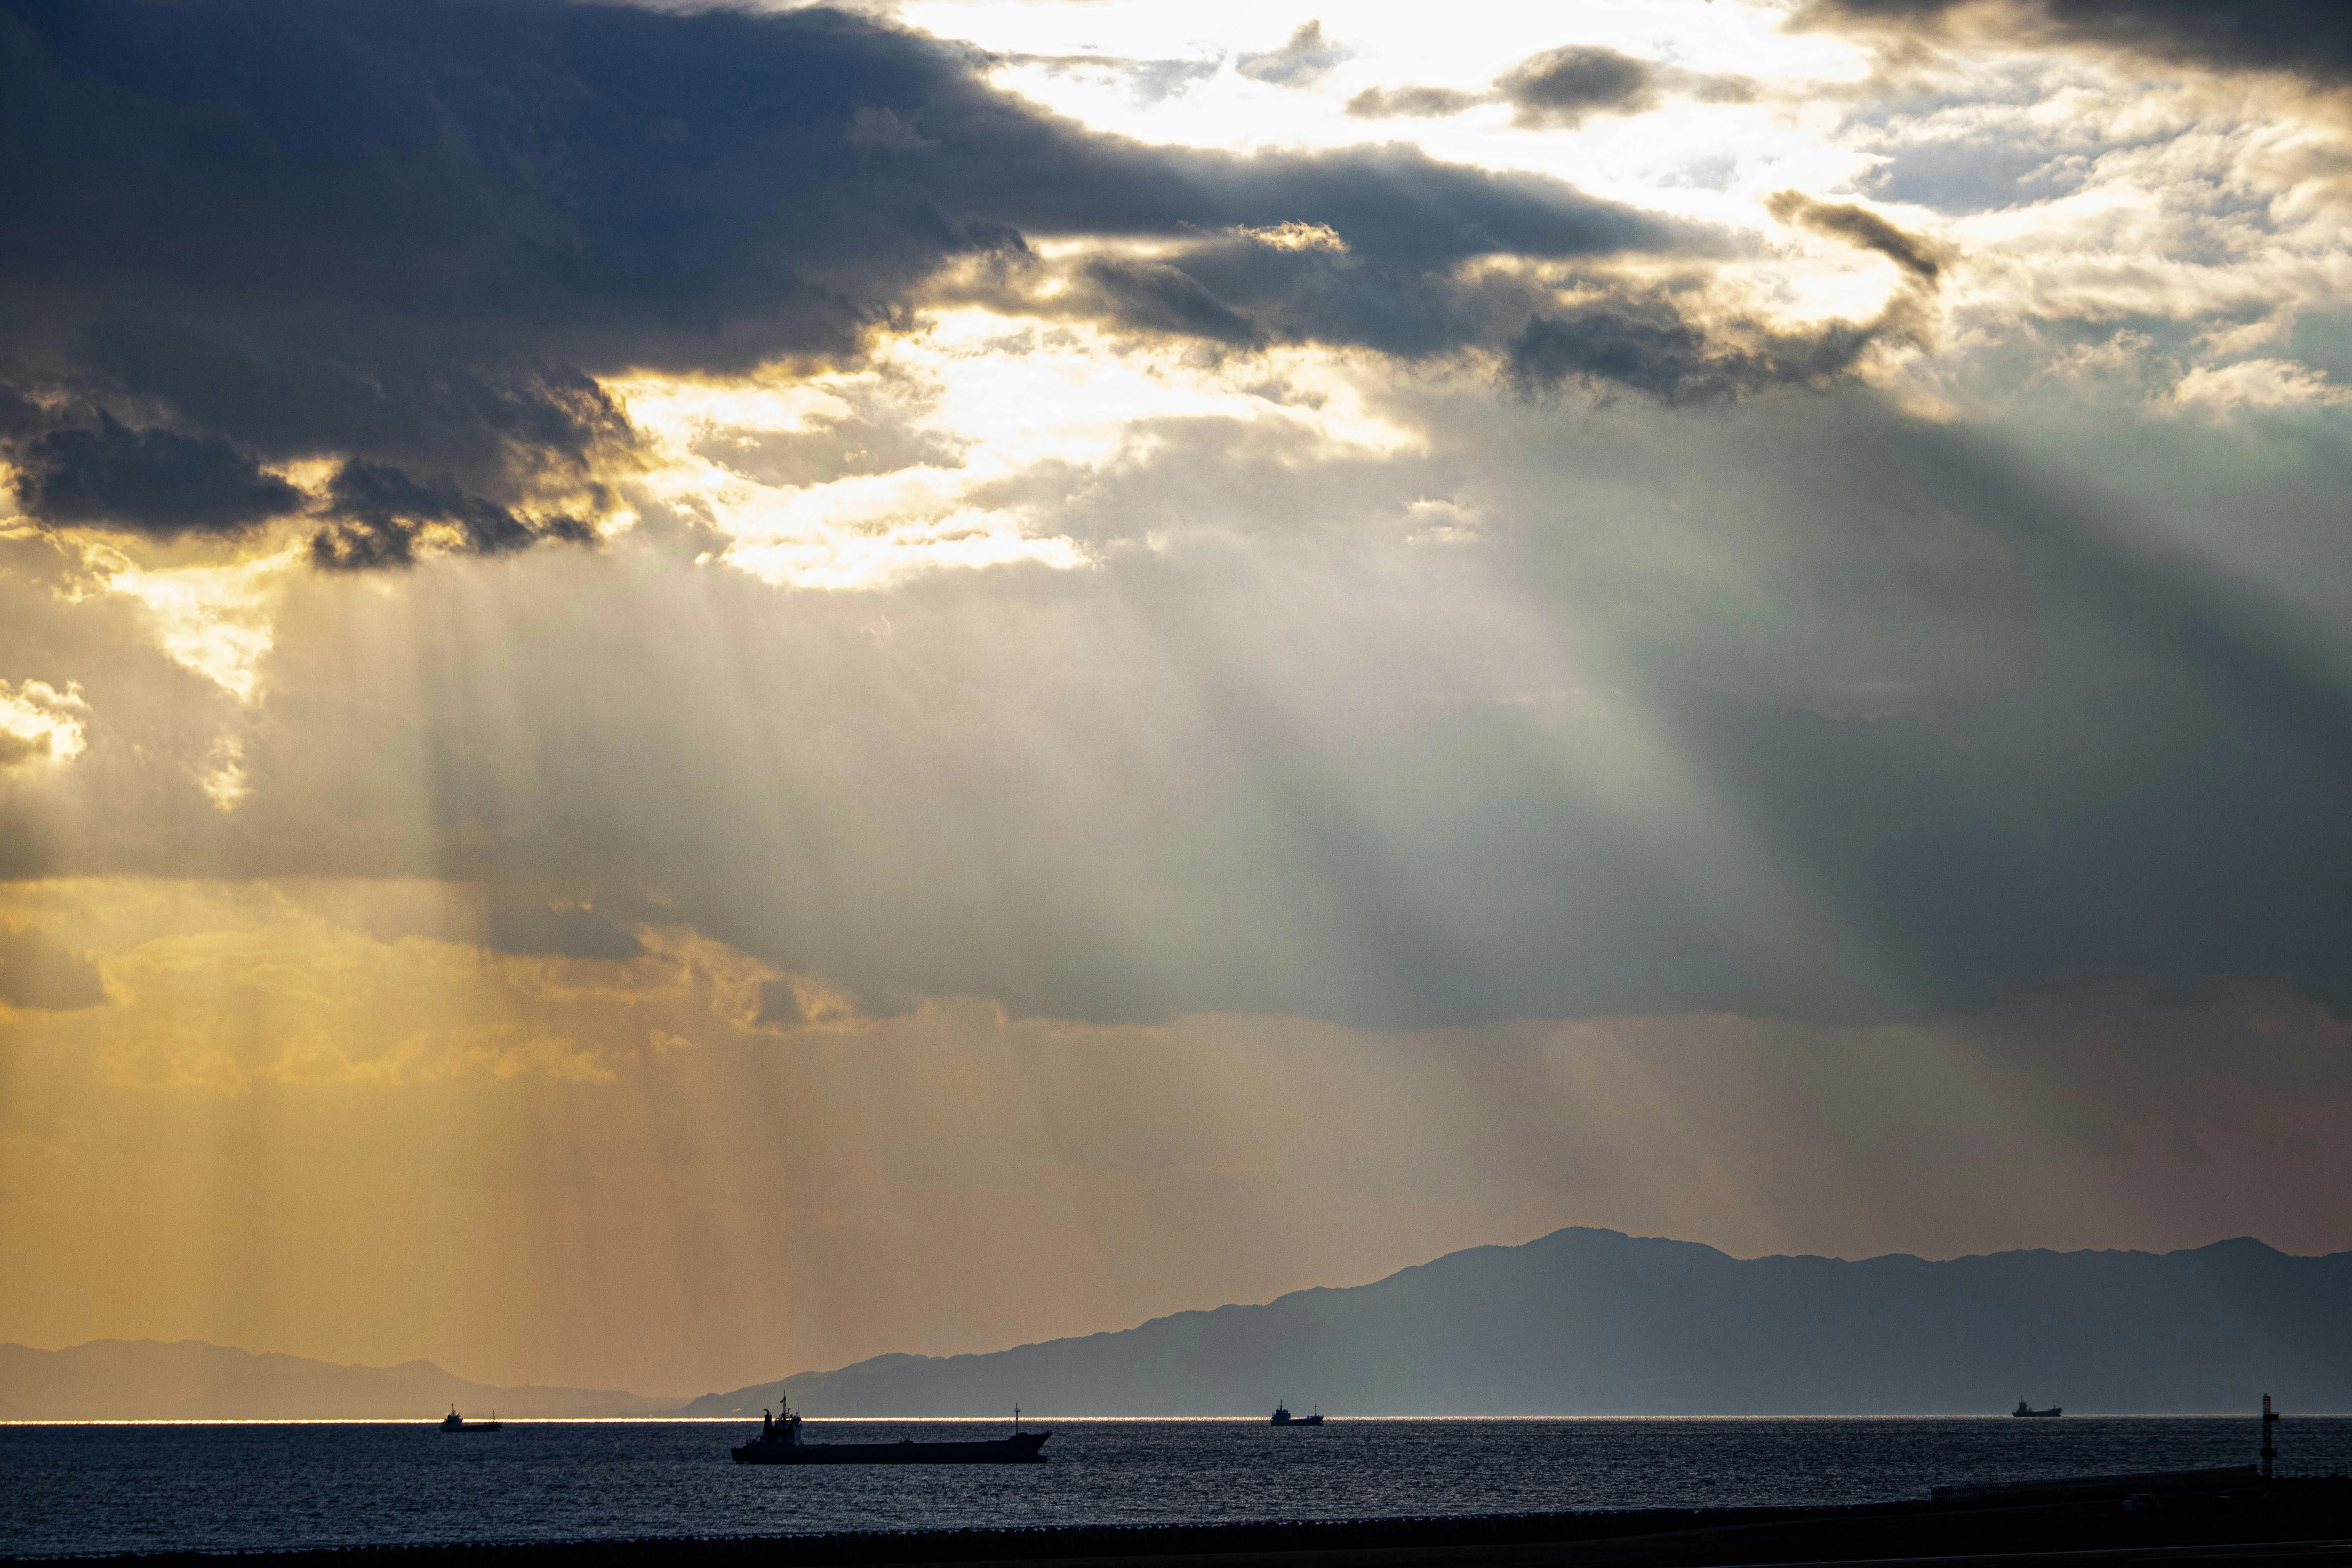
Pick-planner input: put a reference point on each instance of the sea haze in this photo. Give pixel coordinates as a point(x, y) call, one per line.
point(106, 1489)
point(140, 1380)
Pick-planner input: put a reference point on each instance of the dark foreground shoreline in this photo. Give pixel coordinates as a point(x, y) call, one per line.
point(2278, 1523)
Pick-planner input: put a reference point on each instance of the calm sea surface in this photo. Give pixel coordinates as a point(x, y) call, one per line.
point(99, 1489)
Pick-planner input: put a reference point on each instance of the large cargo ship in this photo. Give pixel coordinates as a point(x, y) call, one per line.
point(780, 1443)
point(2031, 1413)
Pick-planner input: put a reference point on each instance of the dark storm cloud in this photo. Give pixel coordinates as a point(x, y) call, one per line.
point(1650, 346)
point(2305, 38)
point(381, 513)
point(1679, 353)
point(19, 419)
point(36, 973)
point(1558, 89)
point(411, 234)
point(148, 482)
point(1394, 204)
point(1157, 297)
point(1561, 87)
point(1922, 258)
point(1242, 292)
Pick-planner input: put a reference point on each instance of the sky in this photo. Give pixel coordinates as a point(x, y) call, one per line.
point(690, 692)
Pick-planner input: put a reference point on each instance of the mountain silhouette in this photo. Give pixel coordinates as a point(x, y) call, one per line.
point(187, 1380)
point(1597, 1322)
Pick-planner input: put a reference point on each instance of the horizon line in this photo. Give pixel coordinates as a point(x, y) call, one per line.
point(435, 1421)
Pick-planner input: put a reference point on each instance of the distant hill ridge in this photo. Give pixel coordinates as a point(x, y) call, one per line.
point(1597, 1323)
point(148, 1380)
point(1578, 1322)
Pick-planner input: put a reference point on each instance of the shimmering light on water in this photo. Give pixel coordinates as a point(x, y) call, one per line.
point(101, 1488)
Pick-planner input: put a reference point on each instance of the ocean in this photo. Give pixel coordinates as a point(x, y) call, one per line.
point(90, 1488)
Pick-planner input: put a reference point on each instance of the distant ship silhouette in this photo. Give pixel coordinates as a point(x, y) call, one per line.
point(780, 1443)
point(2027, 1410)
point(453, 1422)
point(1283, 1418)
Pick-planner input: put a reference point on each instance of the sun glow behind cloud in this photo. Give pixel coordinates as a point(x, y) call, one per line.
point(1045, 49)
point(1004, 397)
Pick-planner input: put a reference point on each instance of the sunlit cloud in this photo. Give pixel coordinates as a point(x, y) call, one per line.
point(40, 723)
point(215, 619)
point(2256, 384)
point(1005, 396)
point(223, 777)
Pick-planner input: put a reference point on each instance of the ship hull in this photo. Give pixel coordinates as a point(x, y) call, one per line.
point(1022, 1449)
